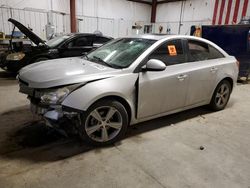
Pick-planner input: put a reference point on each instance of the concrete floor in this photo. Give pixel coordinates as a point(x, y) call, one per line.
point(160, 153)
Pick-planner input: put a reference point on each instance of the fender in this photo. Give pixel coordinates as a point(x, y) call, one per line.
point(121, 86)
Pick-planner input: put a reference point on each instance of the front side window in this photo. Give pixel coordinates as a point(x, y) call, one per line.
point(200, 51)
point(120, 53)
point(80, 42)
point(171, 52)
point(101, 40)
point(57, 40)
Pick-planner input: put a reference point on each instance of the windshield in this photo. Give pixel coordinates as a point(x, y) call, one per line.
point(57, 40)
point(120, 53)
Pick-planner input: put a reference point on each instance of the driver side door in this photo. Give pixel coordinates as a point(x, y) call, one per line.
point(163, 91)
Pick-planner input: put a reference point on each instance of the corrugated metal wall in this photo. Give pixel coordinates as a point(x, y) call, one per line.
point(112, 18)
point(33, 19)
point(197, 12)
point(189, 12)
point(88, 24)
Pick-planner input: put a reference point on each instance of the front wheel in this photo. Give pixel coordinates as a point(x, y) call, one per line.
point(221, 96)
point(104, 123)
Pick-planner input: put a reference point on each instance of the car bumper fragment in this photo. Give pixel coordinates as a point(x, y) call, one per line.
point(51, 114)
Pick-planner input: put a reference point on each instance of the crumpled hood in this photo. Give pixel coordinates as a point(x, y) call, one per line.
point(65, 71)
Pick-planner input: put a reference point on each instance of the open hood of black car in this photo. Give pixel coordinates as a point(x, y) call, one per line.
point(32, 36)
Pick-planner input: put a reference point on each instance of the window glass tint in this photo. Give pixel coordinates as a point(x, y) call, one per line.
point(57, 40)
point(81, 42)
point(101, 40)
point(214, 53)
point(170, 53)
point(199, 51)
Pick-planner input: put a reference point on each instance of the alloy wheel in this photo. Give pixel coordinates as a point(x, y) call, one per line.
point(222, 95)
point(103, 123)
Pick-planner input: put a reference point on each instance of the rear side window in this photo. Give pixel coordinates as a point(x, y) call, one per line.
point(81, 42)
point(171, 52)
point(101, 40)
point(214, 53)
point(200, 51)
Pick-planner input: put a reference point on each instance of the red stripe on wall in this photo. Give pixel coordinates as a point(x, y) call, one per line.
point(244, 11)
point(215, 11)
point(221, 11)
point(229, 6)
point(236, 11)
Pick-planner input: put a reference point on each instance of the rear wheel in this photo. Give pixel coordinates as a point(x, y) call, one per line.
point(221, 95)
point(104, 123)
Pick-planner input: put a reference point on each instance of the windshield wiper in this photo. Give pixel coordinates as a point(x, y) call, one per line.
point(102, 61)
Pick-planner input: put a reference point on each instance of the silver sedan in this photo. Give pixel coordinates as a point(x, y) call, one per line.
point(127, 81)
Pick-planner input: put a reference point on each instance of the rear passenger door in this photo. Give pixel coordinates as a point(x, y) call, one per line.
point(203, 65)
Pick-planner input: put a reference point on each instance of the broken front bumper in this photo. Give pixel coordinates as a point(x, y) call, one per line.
point(51, 112)
point(53, 115)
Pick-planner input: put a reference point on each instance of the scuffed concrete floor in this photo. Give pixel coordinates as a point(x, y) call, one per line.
point(160, 153)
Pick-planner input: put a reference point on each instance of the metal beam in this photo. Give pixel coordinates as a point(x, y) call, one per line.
point(168, 1)
point(141, 1)
point(154, 6)
point(153, 11)
point(73, 16)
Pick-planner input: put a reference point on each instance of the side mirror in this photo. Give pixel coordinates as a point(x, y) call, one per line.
point(154, 65)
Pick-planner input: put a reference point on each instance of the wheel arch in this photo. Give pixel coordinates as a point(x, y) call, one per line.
point(229, 79)
point(120, 99)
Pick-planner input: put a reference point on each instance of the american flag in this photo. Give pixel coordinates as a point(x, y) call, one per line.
point(229, 11)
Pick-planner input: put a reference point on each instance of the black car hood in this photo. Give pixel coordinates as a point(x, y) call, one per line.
point(32, 36)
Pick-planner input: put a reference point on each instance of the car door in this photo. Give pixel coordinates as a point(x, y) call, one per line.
point(163, 91)
point(203, 67)
point(77, 46)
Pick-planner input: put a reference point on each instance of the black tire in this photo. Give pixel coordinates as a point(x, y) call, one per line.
point(40, 59)
point(106, 134)
point(221, 96)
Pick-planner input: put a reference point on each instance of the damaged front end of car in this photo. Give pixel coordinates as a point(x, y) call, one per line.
point(47, 104)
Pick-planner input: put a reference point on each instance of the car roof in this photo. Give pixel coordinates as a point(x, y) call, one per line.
point(87, 34)
point(165, 36)
point(150, 36)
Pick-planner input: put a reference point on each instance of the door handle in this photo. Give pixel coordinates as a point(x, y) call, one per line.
point(213, 69)
point(182, 77)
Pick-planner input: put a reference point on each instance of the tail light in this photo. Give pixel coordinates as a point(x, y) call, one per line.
point(238, 64)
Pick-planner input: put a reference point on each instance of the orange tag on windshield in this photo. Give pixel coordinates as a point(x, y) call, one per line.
point(172, 50)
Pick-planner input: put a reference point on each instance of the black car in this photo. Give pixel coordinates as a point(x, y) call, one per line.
point(69, 45)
